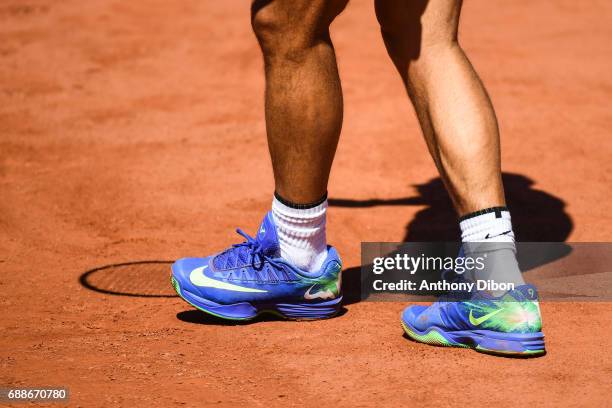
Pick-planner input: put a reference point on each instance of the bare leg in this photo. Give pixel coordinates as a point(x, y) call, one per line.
point(451, 103)
point(303, 93)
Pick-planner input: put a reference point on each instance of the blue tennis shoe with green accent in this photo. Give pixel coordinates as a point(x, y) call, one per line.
point(508, 325)
point(251, 278)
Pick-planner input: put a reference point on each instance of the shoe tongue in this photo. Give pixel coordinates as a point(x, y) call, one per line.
point(266, 236)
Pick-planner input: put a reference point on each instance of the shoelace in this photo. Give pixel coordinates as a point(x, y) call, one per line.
point(255, 250)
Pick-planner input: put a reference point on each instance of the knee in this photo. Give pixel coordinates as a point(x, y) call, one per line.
point(279, 34)
point(269, 25)
point(288, 30)
point(408, 39)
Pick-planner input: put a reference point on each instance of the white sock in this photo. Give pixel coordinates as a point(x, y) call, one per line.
point(489, 232)
point(301, 234)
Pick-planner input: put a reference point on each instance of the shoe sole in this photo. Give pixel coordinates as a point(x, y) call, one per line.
point(247, 311)
point(483, 341)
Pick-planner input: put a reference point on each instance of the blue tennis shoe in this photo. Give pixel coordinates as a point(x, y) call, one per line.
point(510, 324)
point(251, 278)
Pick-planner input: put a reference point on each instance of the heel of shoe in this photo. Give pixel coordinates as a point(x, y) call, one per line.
point(529, 344)
point(310, 311)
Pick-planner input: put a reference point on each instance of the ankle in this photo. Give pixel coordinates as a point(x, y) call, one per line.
point(301, 230)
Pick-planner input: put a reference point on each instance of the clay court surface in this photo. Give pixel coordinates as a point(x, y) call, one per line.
point(133, 131)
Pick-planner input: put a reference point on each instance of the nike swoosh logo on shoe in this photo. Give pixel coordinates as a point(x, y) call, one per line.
point(322, 294)
point(198, 278)
point(477, 321)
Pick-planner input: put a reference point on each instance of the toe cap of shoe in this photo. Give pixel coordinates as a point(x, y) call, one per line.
point(182, 268)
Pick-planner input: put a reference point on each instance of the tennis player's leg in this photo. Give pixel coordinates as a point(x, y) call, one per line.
point(287, 267)
point(461, 132)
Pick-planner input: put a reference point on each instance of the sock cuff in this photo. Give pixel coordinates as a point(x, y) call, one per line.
point(488, 224)
point(281, 209)
point(486, 216)
point(300, 206)
point(299, 222)
point(498, 211)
